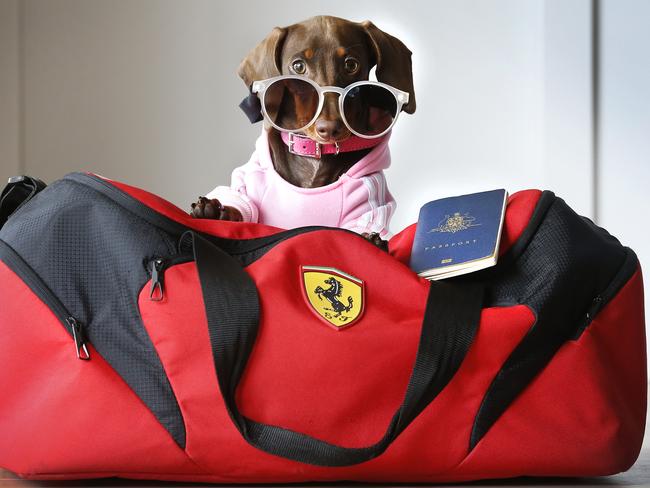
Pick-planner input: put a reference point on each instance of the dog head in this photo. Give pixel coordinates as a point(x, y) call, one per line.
point(332, 52)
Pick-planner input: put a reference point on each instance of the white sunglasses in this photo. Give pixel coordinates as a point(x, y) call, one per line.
point(291, 103)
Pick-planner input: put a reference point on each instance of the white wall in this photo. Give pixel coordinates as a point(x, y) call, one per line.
point(9, 89)
point(146, 91)
point(624, 167)
point(142, 91)
point(568, 144)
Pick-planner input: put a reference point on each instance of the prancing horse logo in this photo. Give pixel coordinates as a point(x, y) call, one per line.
point(332, 294)
point(335, 296)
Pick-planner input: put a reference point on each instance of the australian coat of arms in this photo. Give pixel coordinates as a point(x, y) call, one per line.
point(455, 223)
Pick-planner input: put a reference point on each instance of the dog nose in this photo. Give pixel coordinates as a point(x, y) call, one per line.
point(329, 129)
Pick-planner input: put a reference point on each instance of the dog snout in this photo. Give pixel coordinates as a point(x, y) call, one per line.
point(329, 129)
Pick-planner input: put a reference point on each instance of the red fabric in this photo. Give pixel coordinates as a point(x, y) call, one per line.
point(62, 415)
point(63, 418)
point(278, 385)
point(519, 210)
point(588, 405)
point(234, 230)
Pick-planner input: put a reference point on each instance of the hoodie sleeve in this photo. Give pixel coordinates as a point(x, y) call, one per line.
point(239, 194)
point(368, 206)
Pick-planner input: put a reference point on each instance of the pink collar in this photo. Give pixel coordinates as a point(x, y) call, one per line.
point(304, 146)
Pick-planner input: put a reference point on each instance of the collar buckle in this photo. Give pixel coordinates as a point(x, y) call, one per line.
point(317, 148)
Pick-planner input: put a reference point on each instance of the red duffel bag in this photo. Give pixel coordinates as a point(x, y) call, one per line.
point(138, 342)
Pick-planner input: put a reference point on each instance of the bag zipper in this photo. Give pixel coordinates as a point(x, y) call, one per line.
point(80, 338)
point(623, 275)
point(157, 267)
point(73, 325)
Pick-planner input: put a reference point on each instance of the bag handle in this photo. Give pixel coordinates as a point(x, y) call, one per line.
point(232, 309)
point(19, 191)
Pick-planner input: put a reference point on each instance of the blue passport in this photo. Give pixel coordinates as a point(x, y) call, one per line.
point(458, 235)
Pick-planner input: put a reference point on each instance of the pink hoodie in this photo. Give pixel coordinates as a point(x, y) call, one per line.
point(359, 200)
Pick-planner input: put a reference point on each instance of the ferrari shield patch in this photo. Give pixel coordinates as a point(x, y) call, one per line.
point(336, 297)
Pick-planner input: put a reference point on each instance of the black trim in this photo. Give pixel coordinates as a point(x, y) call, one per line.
point(232, 309)
point(624, 274)
point(544, 203)
point(555, 276)
point(89, 251)
point(127, 202)
point(35, 283)
point(88, 240)
point(546, 199)
point(246, 251)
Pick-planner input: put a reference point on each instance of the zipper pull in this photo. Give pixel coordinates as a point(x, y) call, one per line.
point(593, 309)
point(80, 339)
point(157, 279)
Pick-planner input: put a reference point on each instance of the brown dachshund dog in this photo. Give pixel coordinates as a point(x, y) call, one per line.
point(332, 52)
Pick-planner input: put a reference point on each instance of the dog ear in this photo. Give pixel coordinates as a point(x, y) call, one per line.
point(393, 61)
point(264, 60)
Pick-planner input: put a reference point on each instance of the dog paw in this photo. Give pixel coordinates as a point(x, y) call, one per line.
point(373, 238)
point(207, 208)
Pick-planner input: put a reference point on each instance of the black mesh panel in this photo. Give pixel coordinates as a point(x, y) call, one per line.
point(90, 252)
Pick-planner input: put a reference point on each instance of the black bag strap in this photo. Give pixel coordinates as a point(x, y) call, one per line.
point(232, 308)
point(19, 190)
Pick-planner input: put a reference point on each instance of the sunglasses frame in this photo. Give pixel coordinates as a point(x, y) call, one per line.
point(260, 88)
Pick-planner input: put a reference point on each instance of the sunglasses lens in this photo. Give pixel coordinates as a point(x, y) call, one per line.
point(370, 109)
point(291, 103)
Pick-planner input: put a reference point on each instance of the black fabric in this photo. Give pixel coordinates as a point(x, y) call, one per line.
point(625, 272)
point(87, 243)
point(232, 309)
point(546, 199)
point(90, 253)
point(252, 107)
point(559, 273)
point(18, 191)
point(15, 262)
